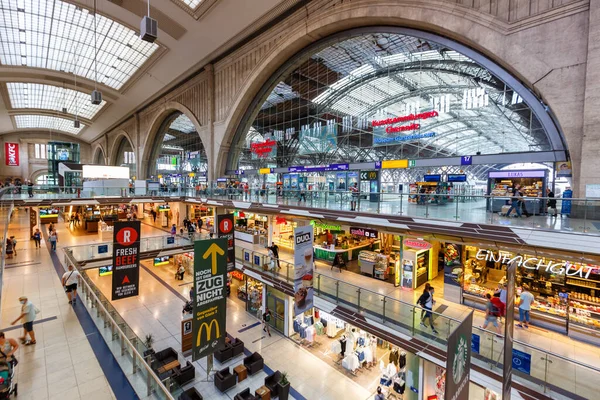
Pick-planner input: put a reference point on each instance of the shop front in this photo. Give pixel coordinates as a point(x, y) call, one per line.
point(283, 232)
point(419, 262)
point(532, 184)
point(249, 291)
point(251, 228)
point(48, 215)
point(202, 212)
point(332, 239)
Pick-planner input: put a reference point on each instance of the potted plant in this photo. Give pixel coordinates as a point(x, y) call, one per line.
point(148, 343)
point(283, 387)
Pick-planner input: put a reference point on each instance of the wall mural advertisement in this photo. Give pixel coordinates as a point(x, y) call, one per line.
point(303, 269)
point(210, 301)
point(126, 260)
point(11, 154)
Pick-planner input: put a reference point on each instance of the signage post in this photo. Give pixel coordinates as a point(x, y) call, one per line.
point(458, 361)
point(225, 230)
point(126, 260)
point(210, 307)
point(509, 329)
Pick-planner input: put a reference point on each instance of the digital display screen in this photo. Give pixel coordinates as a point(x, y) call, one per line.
point(457, 178)
point(164, 207)
point(48, 212)
point(161, 260)
point(97, 212)
point(105, 270)
point(432, 178)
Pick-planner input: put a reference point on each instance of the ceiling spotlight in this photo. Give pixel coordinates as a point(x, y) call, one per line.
point(64, 110)
point(77, 124)
point(148, 28)
point(96, 97)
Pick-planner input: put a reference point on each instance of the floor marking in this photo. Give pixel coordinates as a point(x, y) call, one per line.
point(184, 284)
point(20, 262)
point(249, 327)
point(21, 266)
point(165, 284)
point(39, 321)
point(260, 338)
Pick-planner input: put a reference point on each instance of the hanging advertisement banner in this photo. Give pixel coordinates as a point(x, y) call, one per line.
point(458, 361)
point(303, 269)
point(225, 230)
point(210, 297)
point(563, 168)
point(11, 154)
point(126, 260)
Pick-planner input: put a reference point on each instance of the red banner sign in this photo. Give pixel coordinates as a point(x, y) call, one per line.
point(11, 154)
point(264, 148)
point(405, 118)
point(237, 275)
point(417, 244)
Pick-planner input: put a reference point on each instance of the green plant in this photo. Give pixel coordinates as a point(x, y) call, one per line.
point(149, 341)
point(284, 380)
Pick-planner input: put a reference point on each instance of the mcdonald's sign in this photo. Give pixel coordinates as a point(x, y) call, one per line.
point(210, 297)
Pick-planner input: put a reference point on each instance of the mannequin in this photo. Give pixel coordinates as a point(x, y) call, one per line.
point(402, 360)
point(343, 343)
point(394, 356)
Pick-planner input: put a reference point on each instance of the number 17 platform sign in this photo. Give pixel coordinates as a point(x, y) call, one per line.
point(210, 301)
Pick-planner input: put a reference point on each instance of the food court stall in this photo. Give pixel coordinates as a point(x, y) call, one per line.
point(332, 239)
point(251, 228)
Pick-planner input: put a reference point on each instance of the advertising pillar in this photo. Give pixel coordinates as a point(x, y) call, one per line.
point(458, 361)
point(126, 260)
point(225, 230)
point(32, 220)
point(303, 269)
point(210, 307)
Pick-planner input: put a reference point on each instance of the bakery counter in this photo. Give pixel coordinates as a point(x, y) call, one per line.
point(351, 253)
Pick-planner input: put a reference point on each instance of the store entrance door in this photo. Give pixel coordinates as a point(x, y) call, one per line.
point(277, 307)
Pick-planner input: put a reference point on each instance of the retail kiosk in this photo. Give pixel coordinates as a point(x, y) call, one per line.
point(502, 183)
point(251, 228)
point(332, 239)
point(417, 265)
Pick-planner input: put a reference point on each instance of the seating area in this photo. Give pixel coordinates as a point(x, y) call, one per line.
point(231, 349)
point(165, 364)
point(271, 383)
point(254, 363)
point(190, 394)
point(228, 377)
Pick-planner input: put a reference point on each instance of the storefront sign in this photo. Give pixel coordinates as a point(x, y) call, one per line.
point(225, 230)
point(369, 175)
point(325, 226)
point(368, 233)
point(458, 362)
point(405, 118)
point(453, 268)
point(521, 361)
point(126, 261)
point(404, 128)
point(237, 275)
point(263, 149)
point(265, 171)
point(517, 174)
point(11, 154)
point(319, 168)
point(210, 301)
point(560, 268)
point(417, 244)
point(380, 141)
point(303, 269)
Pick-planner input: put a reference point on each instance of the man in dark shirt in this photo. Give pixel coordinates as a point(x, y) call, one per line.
point(275, 249)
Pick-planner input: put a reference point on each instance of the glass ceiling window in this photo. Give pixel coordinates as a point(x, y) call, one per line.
point(183, 124)
point(386, 96)
point(47, 97)
point(46, 122)
point(57, 35)
point(193, 4)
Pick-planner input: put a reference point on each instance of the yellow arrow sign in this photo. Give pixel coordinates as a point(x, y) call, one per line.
point(212, 251)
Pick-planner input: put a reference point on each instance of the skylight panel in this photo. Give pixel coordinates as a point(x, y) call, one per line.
point(46, 122)
point(56, 35)
point(183, 124)
point(193, 4)
point(47, 97)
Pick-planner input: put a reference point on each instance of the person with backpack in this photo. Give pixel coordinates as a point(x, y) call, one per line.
point(37, 238)
point(492, 312)
point(266, 319)
point(426, 301)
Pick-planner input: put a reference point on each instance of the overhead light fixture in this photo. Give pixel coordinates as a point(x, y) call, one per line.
point(148, 28)
point(96, 96)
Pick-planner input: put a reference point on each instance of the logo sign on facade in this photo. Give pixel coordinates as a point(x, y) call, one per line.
point(368, 233)
point(225, 230)
point(466, 160)
point(264, 149)
point(11, 154)
point(369, 175)
point(325, 226)
point(417, 244)
point(126, 260)
point(303, 269)
point(210, 307)
point(458, 361)
point(405, 118)
point(518, 174)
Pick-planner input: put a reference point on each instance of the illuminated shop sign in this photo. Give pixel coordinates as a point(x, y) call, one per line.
point(419, 244)
point(263, 149)
point(325, 226)
point(379, 141)
point(560, 268)
point(517, 174)
point(369, 233)
point(318, 168)
point(405, 118)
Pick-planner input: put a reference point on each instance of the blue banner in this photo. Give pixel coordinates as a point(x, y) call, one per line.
point(475, 343)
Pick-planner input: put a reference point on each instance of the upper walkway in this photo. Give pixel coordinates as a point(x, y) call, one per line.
point(459, 217)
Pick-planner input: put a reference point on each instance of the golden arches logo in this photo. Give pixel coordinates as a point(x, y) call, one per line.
point(208, 327)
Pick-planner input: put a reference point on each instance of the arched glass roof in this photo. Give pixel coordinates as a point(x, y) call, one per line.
point(57, 35)
point(46, 122)
point(48, 97)
point(378, 96)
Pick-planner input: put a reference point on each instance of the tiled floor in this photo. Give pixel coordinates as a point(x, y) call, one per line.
point(62, 364)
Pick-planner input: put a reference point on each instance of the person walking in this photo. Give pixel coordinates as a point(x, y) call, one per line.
point(174, 230)
point(525, 307)
point(14, 245)
point(379, 395)
point(354, 196)
point(514, 201)
point(69, 282)
point(266, 319)
point(275, 249)
point(426, 301)
point(551, 203)
point(28, 315)
point(492, 312)
point(50, 228)
point(502, 298)
point(8, 347)
point(153, 213)
point(200, 222)
point(37, 238)
point(192, 293)
point(53, 240)
point(30, 189)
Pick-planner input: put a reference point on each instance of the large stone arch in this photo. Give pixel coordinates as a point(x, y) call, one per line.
point(98, 153)
point(116, 143)
point(37, 172)
point(164, 112)
point(506, 44)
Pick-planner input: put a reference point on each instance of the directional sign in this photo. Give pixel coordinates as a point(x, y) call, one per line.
point(210, 296)
point(412, 163)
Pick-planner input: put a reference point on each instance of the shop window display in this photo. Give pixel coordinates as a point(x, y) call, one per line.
point(251, 293)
